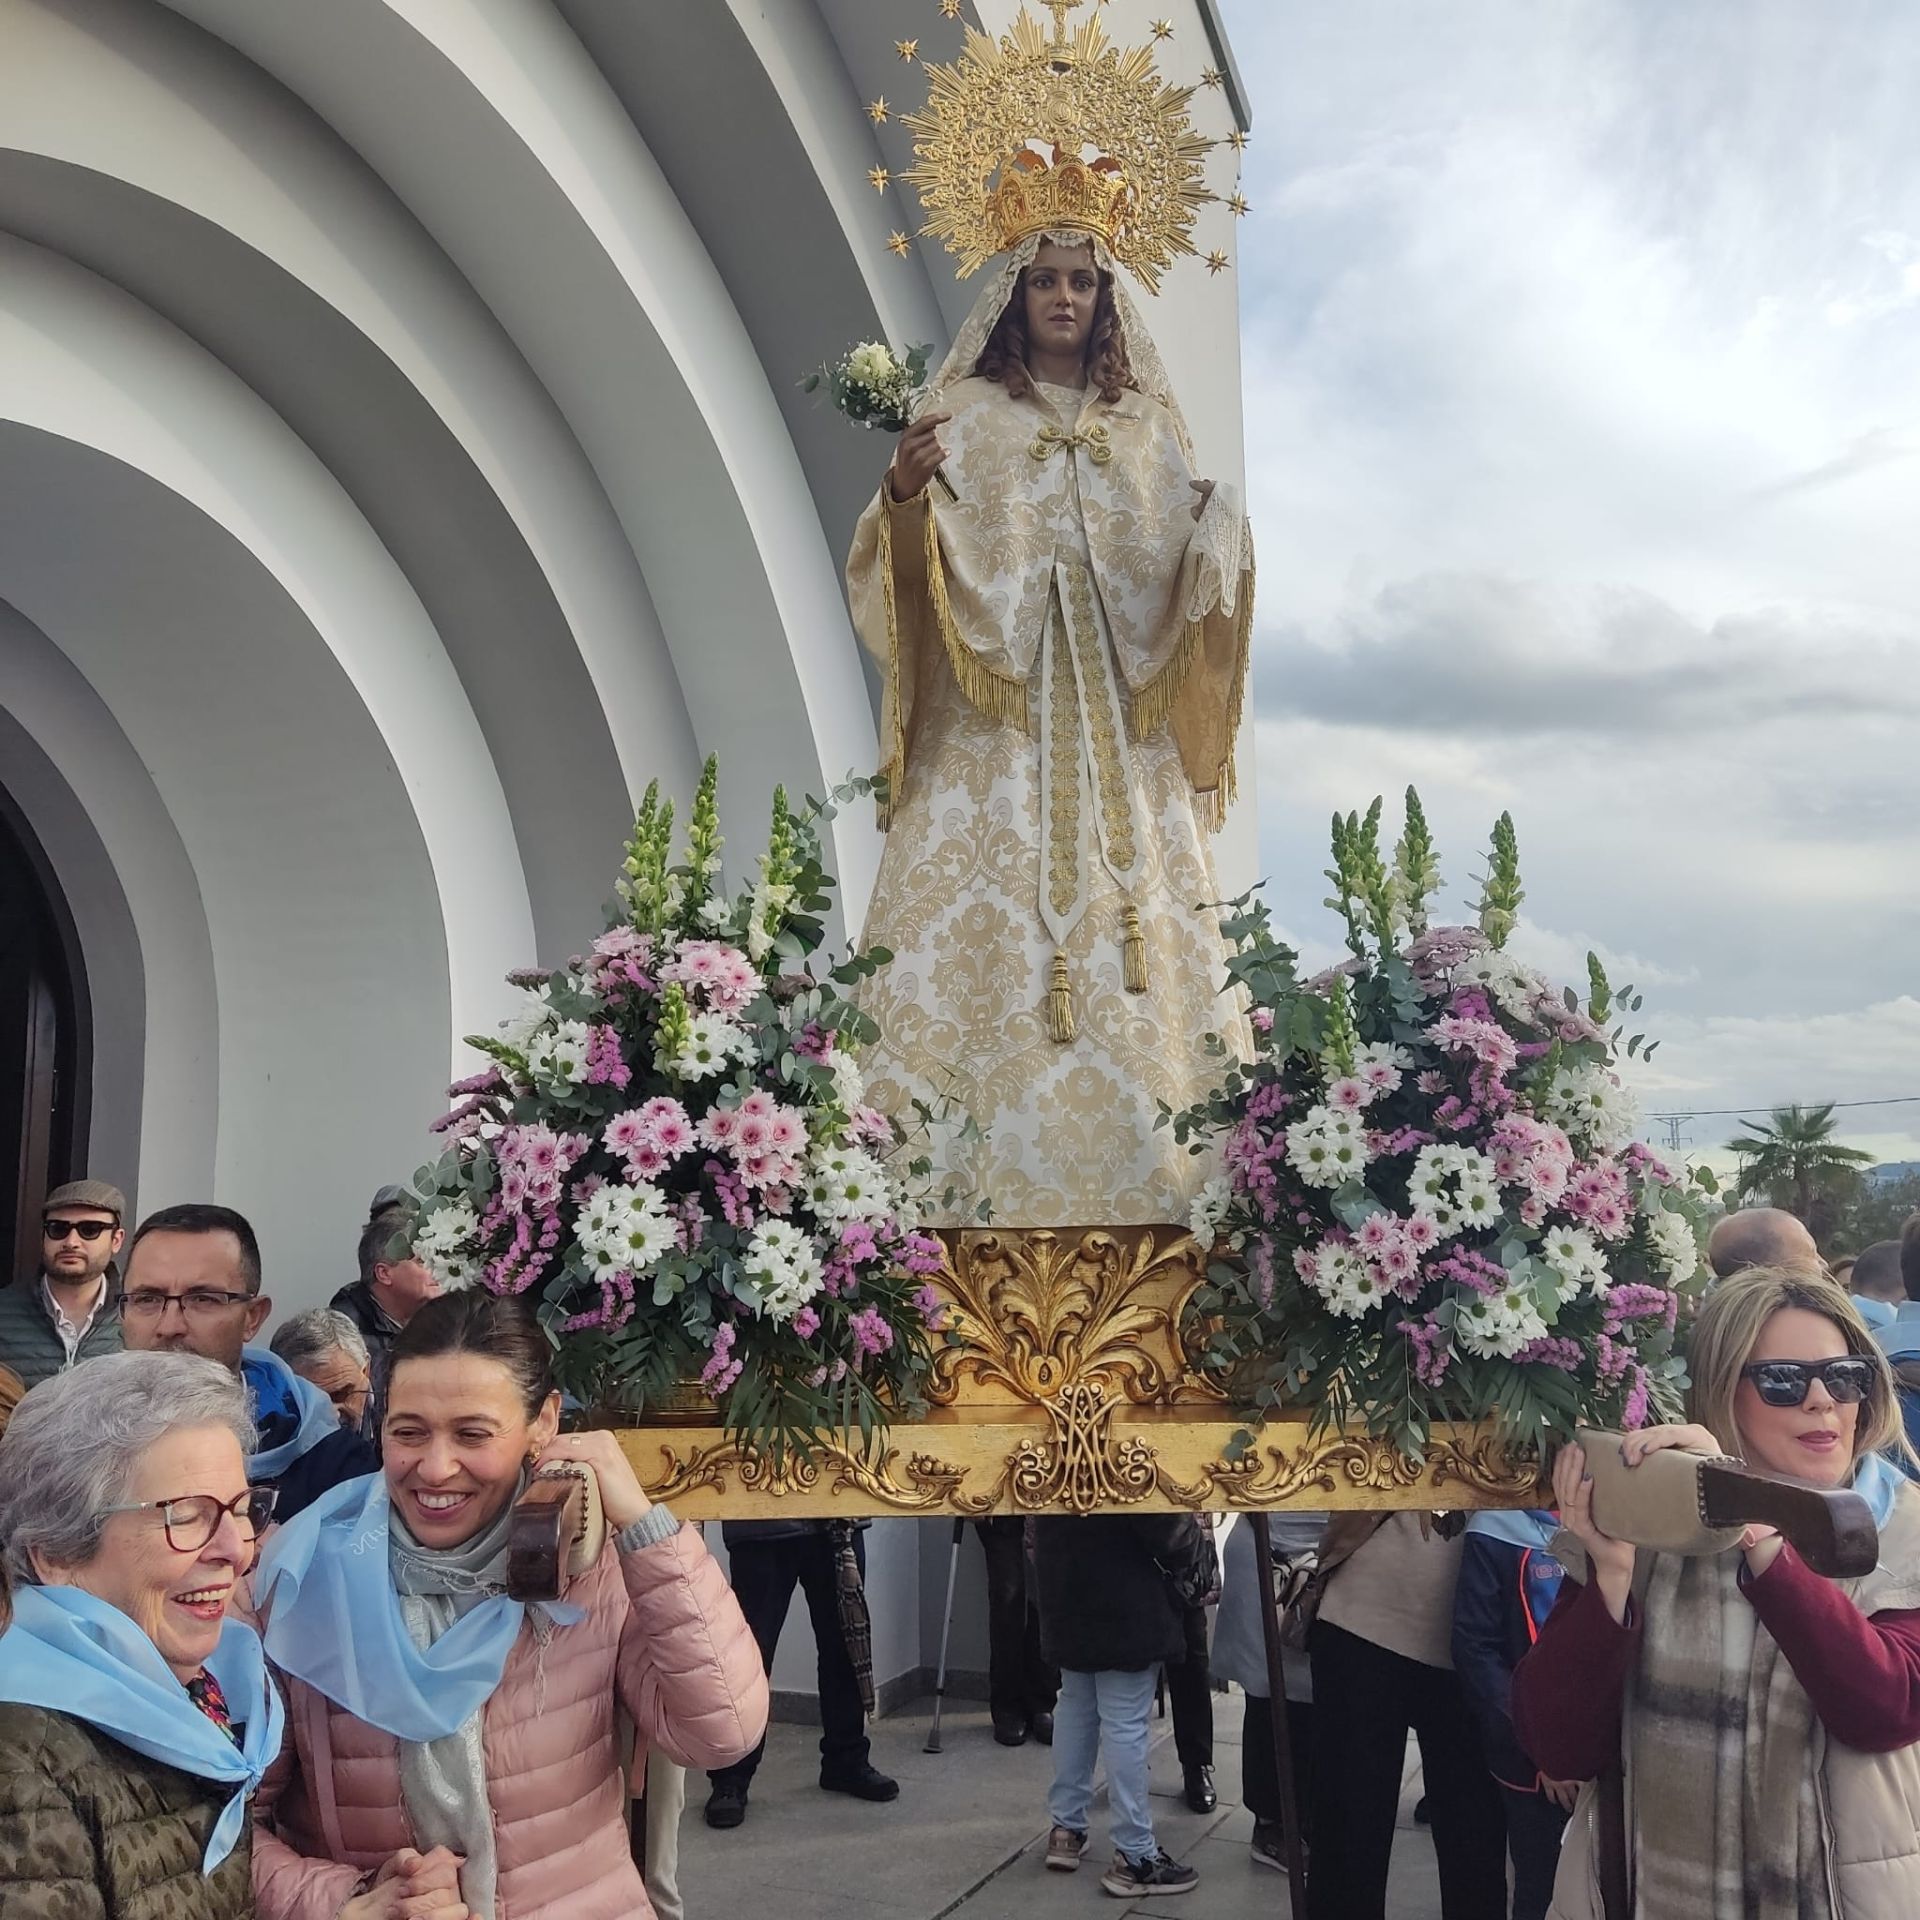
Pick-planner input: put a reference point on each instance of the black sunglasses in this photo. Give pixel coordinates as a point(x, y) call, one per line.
point(86, 1229)
point(1786, 1383)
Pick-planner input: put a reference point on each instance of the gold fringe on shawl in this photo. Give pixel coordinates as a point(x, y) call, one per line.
point(1152, 706)
point(1157, 704)
point(998, 695)
point(894, 767)
point(1133, 952)
point(1061, 1025)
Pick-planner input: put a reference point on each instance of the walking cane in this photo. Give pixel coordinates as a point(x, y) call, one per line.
point(946, 1633)
point(1277, 1720)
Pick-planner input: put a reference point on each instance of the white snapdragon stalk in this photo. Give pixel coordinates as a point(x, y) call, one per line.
point(849, 1084)
point(1675, 1250)
point(530, 1014)
point(1209, 1209)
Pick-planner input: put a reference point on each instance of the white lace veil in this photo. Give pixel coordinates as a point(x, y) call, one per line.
point(1149, 370)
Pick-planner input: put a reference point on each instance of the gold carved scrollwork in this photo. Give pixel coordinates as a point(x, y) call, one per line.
point(1082, 1324)
point(1041, 1310)
point(1067, 1391)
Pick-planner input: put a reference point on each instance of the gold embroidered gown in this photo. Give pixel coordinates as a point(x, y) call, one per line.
point(1064, 651)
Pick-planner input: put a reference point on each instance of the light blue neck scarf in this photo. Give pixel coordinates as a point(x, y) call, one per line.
point(1879, 1483)
point(334, 1621)
point(274, 1386)
point(1519, 1526)
point(73, 1653)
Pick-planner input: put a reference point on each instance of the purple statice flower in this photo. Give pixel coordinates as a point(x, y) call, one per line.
point(721, 1370)
point(735, 1207)
point(1474, 1271)
point(813, 1042)
point(1553, 1350)
point(490, 1081)
point(691, 1222)
point(1631, 1301)
point(1637, 1157)
point(921, 1253)
point(1439, 951)
point(931, 1308)
point(806, 1323)
point(1634, 1413)
point(529, 979)
point(871, 1334)
point(1432, 1350)
point(1471, 1003)
point(605, 1067)
point(1405, 1140)
point(1613, 1360)
point(1262, 1019)
point(465, 1119)
point(1260, 1255)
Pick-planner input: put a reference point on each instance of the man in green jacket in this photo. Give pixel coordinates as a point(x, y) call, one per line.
point(65, 1313)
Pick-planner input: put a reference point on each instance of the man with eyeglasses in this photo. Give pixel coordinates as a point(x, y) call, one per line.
point(65, 1313)
point(193, 1286)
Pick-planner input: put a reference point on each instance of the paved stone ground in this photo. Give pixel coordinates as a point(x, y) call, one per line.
point(967, 1836)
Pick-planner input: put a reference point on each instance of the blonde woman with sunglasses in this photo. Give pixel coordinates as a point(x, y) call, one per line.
point(1765, 1718)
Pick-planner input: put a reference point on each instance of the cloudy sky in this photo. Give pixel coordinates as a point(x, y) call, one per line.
point(1583, 424)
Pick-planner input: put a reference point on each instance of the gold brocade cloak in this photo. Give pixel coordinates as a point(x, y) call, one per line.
point(972, 577)
point(1064, 652)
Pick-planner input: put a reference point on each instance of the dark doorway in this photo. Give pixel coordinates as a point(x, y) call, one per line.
point(46, 1041)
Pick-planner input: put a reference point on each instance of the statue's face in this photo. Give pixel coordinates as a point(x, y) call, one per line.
point(1061, 288)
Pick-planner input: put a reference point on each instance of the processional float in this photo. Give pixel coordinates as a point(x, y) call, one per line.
point(1368, 1240)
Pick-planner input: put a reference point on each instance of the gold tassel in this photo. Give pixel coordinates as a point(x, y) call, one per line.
point(1133, 953)
point(1061, 1025)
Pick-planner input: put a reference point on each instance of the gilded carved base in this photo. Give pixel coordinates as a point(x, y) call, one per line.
point(1069, 1393)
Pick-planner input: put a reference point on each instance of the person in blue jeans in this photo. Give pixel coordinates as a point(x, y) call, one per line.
point(1509, 1581)
point(1108, 1618)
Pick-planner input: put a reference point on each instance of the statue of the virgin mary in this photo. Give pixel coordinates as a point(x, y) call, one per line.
point(1060, 607)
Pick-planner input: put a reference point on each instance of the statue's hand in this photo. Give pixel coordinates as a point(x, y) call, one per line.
point(918, 456)
point(1204, 488)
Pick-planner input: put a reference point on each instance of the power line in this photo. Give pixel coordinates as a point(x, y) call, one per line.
point(1724, 1113)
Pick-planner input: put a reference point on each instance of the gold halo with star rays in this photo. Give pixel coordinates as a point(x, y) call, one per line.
point(983, 169)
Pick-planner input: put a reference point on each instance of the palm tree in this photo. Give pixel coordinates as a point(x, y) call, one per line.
point(1793, 1161)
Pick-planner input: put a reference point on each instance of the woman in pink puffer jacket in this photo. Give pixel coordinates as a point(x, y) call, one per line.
point(449, 1751)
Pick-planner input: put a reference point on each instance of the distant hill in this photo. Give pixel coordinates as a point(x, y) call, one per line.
point(1886, 1174)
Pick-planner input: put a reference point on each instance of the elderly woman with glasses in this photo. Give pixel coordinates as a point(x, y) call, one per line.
point(1767, 1720)
point(136, 1719)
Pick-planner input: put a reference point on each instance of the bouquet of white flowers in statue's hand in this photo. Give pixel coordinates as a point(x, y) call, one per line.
point(876, 387)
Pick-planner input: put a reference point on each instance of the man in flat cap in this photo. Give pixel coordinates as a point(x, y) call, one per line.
point(65, 1312)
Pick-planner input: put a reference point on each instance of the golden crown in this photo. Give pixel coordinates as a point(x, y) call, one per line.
point(1035, 132)
point(1038, 191)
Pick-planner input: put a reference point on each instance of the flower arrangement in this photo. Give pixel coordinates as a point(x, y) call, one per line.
point(669, 1151)
point(876, 387)
point(1433, 1205)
